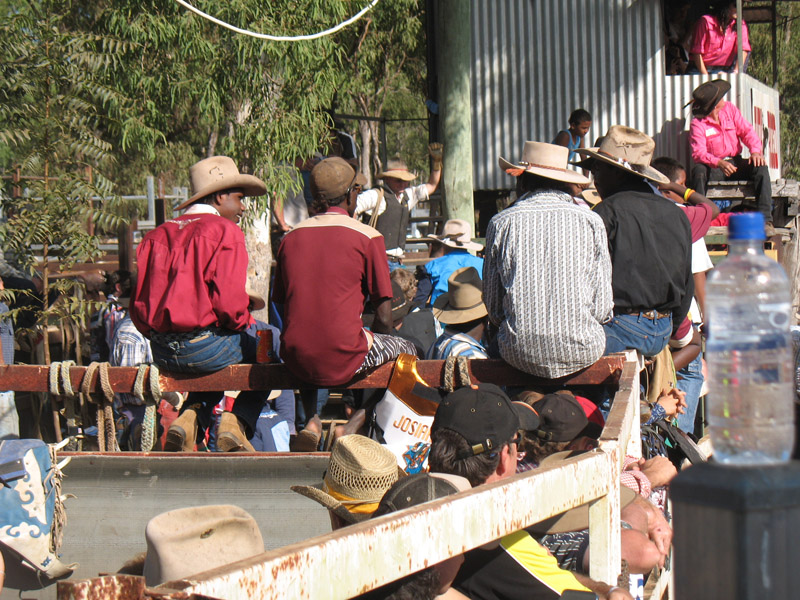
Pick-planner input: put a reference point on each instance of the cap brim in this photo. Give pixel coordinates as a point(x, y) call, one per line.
point(251, 185)
point(447, 314)
point(528, 419)
point(401, 311)
point(564, 175)
point(645, 171)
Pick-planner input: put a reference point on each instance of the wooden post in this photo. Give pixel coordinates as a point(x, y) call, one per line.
point(125, 245)
point(736, 531)
point(453, 67)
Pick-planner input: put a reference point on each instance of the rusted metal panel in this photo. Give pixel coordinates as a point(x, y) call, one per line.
point(126, 587)
point(369, 554)
point(34, 378)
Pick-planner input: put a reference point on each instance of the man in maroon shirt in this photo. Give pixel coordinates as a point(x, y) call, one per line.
point(191, 302)
point(327, 268)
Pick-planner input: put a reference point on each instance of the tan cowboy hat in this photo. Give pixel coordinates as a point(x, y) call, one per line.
point(575, 519)
point(627, 149)
point(706, 96)
point(359, 473)
point(457, 233)
point(398, 169)
point(187, 541)
point(545, 160)
point(257, 301)
point(463, 301)
point(220, 173)
point(591, 196)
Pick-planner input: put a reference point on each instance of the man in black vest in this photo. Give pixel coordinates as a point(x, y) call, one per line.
point(395, 200)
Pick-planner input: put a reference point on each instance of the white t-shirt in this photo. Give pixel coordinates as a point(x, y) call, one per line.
point(701, 262)
point(366, 201)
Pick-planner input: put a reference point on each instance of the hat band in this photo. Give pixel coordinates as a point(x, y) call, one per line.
point(353, 505)
point(620, 161)
point(551, 168)
point(454, 307)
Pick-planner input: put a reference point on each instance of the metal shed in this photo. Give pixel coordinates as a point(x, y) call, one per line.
point(534, 61)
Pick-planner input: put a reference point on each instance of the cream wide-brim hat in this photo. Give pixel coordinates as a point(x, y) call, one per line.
point(398, 169)
point(545, 160)
point(219, 173)
point(627, 149)
point(463, 301)
point(456, 234)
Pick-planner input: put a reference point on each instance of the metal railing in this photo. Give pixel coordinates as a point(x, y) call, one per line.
point(352, 560)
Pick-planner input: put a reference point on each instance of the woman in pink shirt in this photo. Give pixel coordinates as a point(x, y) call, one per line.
point(714, 46)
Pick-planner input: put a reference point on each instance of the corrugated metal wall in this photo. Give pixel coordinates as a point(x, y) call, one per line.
point(535, 61)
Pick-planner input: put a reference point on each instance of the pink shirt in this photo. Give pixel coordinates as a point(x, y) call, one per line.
point(717, 47)
point(711, 141)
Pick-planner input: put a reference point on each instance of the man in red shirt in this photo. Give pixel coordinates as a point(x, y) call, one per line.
point(328, 266)
point(716, 135)
point(191, 302)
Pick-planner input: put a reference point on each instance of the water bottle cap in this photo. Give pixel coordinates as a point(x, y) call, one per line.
point(746, 226)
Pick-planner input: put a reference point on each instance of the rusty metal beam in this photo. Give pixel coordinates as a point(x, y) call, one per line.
point(34, 378)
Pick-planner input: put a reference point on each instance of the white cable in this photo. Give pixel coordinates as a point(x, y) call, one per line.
point(280, 38)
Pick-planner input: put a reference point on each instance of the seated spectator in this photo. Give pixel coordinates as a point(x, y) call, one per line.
point(716, 135)
point(649, 240)
point(548, 299)
point(424, 285)
point(435, 581)
point(456, 239)
point(360, 471)
point(573, 138)
point(417, 325)
point(102, 324)
point(475, 434)
point(463, 313)
point(564, 431)
point(715, 44)
point(327, 268)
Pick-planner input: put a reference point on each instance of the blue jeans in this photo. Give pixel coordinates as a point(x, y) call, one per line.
point(691, 382)
point(637, 332)
point(206, 354)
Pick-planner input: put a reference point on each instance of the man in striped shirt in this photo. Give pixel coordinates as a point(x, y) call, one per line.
point(463, 312)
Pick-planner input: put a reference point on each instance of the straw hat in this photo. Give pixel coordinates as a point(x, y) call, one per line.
point(706, 96)
point(398, 169)
point(545, 160)
point(220, 173)
point(193, 540)
point(627, 149)
point(359, 473)
point(463, 301)
point(457, 233)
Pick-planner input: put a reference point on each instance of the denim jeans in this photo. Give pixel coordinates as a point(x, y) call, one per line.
point(637, 332)
point(691, 381)
point(206, 354)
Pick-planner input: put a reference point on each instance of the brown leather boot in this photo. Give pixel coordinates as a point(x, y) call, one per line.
point(231, 436)
point(182, 433)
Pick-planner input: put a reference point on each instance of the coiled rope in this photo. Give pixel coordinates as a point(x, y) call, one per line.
point(456, 365)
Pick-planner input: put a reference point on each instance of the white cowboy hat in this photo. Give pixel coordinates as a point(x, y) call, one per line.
point(219, 173)
point(627, 149)
point(545, 160)
point(457, 233)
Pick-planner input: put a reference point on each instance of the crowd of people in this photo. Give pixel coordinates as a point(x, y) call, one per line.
point(600, 251)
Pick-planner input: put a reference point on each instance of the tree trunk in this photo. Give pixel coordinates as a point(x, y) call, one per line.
point(259, 249)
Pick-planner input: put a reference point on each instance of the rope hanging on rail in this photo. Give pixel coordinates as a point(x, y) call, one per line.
point(149, 424)
point(456, 365)
point(280, 38)
point(59, 375)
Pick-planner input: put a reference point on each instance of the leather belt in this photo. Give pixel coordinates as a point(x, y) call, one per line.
point(649, 314)
point(183, 336)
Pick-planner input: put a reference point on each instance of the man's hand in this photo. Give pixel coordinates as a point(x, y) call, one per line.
point(757, 160)
point(436, 151)
point(673, 402)
point(619, 594)
point(659, 470)
point(727, 167)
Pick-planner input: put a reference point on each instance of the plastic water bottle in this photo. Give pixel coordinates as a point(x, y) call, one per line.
point(749, 351)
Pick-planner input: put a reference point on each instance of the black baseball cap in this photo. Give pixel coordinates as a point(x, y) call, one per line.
point(484, 416)
point(562, 419)
point(418, 489)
